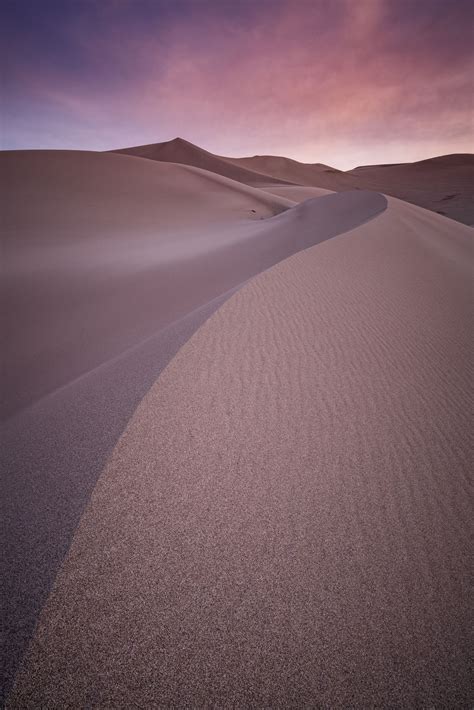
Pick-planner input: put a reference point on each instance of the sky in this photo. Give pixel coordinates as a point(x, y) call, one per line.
point(342, 82)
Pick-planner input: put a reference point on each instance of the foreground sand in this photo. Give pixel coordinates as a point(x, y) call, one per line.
point(285, 520)
point(111, 268)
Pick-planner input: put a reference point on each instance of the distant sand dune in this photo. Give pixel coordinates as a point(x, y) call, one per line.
point(444, 184)
point(309, 174)
point(285, 522)
point(182, 151)
point(88, 233)
point(113, 248)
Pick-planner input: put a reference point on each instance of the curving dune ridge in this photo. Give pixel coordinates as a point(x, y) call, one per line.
point(102, 290)
point(91, 243)
point(444, 184)
point(181, 151)
point(284, 522)
point(238, 446)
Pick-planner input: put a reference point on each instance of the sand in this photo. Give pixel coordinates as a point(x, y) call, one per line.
point(308, 174)
point(121, 260)
point(296, 193)
point(444, 184)
point(93, 243)
point(179, 150)
point(285, 520)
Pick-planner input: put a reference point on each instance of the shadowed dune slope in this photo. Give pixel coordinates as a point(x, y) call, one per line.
point(296, 193)
point(52, 454)
point(96, 308)
point(91, 246)
point(444, 184)
point(113, 248)
point(182, 151)
point(309, 174)
point(285, 522)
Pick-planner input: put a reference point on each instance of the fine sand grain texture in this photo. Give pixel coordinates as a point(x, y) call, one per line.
point(285, 522)
point(101, 292)
point(113, 248)
point(52, 454)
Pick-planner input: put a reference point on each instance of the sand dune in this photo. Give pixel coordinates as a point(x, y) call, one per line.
point(309, 174)
point(98, 302)
point(296, 193)
point(80, 230)
point(443, 184)
point(285, 522)
point(129, 250)
point(182, 151)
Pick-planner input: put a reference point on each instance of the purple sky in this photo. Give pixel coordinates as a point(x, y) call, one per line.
point(344, 82)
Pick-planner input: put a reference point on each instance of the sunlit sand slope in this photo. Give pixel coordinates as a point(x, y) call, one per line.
point(111, 268)
point(285, 521)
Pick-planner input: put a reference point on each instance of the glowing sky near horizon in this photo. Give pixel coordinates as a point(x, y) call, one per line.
point(343, 82)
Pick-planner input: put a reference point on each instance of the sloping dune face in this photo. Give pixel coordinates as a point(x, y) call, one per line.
point(444, 184)
point(92, 245)
point(112, 248)
point(182, 151)
point(114, 264)
point(296, 193)
point(308, 174)
point(285, 521)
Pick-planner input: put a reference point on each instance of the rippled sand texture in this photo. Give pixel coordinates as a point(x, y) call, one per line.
point(111, 264)
point(285, 521)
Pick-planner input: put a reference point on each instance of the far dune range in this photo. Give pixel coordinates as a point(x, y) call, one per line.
point(237, 439)
point(444, 184)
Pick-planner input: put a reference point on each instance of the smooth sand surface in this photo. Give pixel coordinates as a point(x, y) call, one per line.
point(101, 250)
point(98, 302)
point(444, 184)
point(296, 193)
point(179, 150)
point(285, 521)
point(309, 174)
point(97, 264)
